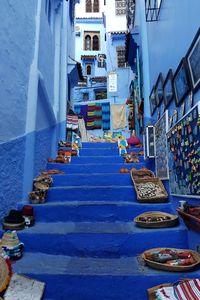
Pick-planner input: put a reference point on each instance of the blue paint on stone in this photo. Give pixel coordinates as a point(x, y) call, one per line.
point(16, 56)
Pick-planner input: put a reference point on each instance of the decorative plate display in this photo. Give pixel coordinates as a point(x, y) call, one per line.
point(171, 259)
point(156, 219)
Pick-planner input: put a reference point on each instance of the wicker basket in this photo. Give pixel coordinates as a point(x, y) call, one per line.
point(141, 174)
point(165, 267)
point(154, 190)
point(4, 274)
point(156, 224)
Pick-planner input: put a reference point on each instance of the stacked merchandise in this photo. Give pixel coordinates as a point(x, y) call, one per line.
point(41, 184)
point(96, 115)
point(11, 245)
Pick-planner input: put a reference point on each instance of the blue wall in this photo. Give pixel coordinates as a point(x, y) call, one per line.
point(169, 40)
point(123, 74)
point(25, 148)
point(16, 53)
point(46, 53)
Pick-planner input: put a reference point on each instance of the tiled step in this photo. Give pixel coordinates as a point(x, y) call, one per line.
point(93, 278)
point(100, 159)
point(81, 211)
point(92, 179)
point(99, 239)
point(93, 168)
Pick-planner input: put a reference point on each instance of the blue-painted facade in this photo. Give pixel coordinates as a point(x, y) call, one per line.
point(123, 74)
point(162, 44)
point(33, 91)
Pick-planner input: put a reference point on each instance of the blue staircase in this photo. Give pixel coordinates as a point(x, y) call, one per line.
point(85, 245)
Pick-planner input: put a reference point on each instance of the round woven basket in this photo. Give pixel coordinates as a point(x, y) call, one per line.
point(173, 221)
point(4, 274)
point(165, 267)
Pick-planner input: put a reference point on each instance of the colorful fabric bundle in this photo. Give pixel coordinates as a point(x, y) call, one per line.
point(72, 121)
point(105, 116)
point(184, 290)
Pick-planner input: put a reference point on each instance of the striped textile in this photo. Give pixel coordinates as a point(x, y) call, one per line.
point(185, 290)
point(72, 121)
point(188, 290)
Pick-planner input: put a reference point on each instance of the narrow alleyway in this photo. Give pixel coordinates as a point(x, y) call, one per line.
point(85, 245)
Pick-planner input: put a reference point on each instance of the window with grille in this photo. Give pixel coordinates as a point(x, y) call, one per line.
point(88, 69)
point(88, 6)
point(92, 6)
point(95, 42)
point(85, 96)
point(121, 63)
point(120, 7)
point(87, 42)
point(96, 6)
point(92, 40)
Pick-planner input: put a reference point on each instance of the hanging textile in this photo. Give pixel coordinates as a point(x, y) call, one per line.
point(118, 114)
point(98, 116)
point(90, 116)
point(105, 115)
point(82, 129)
point(72, 122)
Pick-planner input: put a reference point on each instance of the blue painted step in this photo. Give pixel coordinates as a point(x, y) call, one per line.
point(92, 193)
point(99, 239)
point(91, 278)
point(102, 151)
point(92, 179)
point(95, 211)
point(93, 168)
point(100, 159)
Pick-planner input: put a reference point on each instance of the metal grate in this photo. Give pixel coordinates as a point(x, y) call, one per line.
point(120, 7)
point(152, 8)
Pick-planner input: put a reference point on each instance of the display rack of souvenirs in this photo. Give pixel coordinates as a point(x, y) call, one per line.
point(156, 219)
point(122, 145)
point(171, 259)
point(11, 245)
point(149, 189)
point(41, 184)
point(190, 215)
point(5, 273)
point(183, 142)
point(183, 289)
point(23, 288)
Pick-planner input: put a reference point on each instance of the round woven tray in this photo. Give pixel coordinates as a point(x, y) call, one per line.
point(161, 224)
point(162, 266)
point(4, 274)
